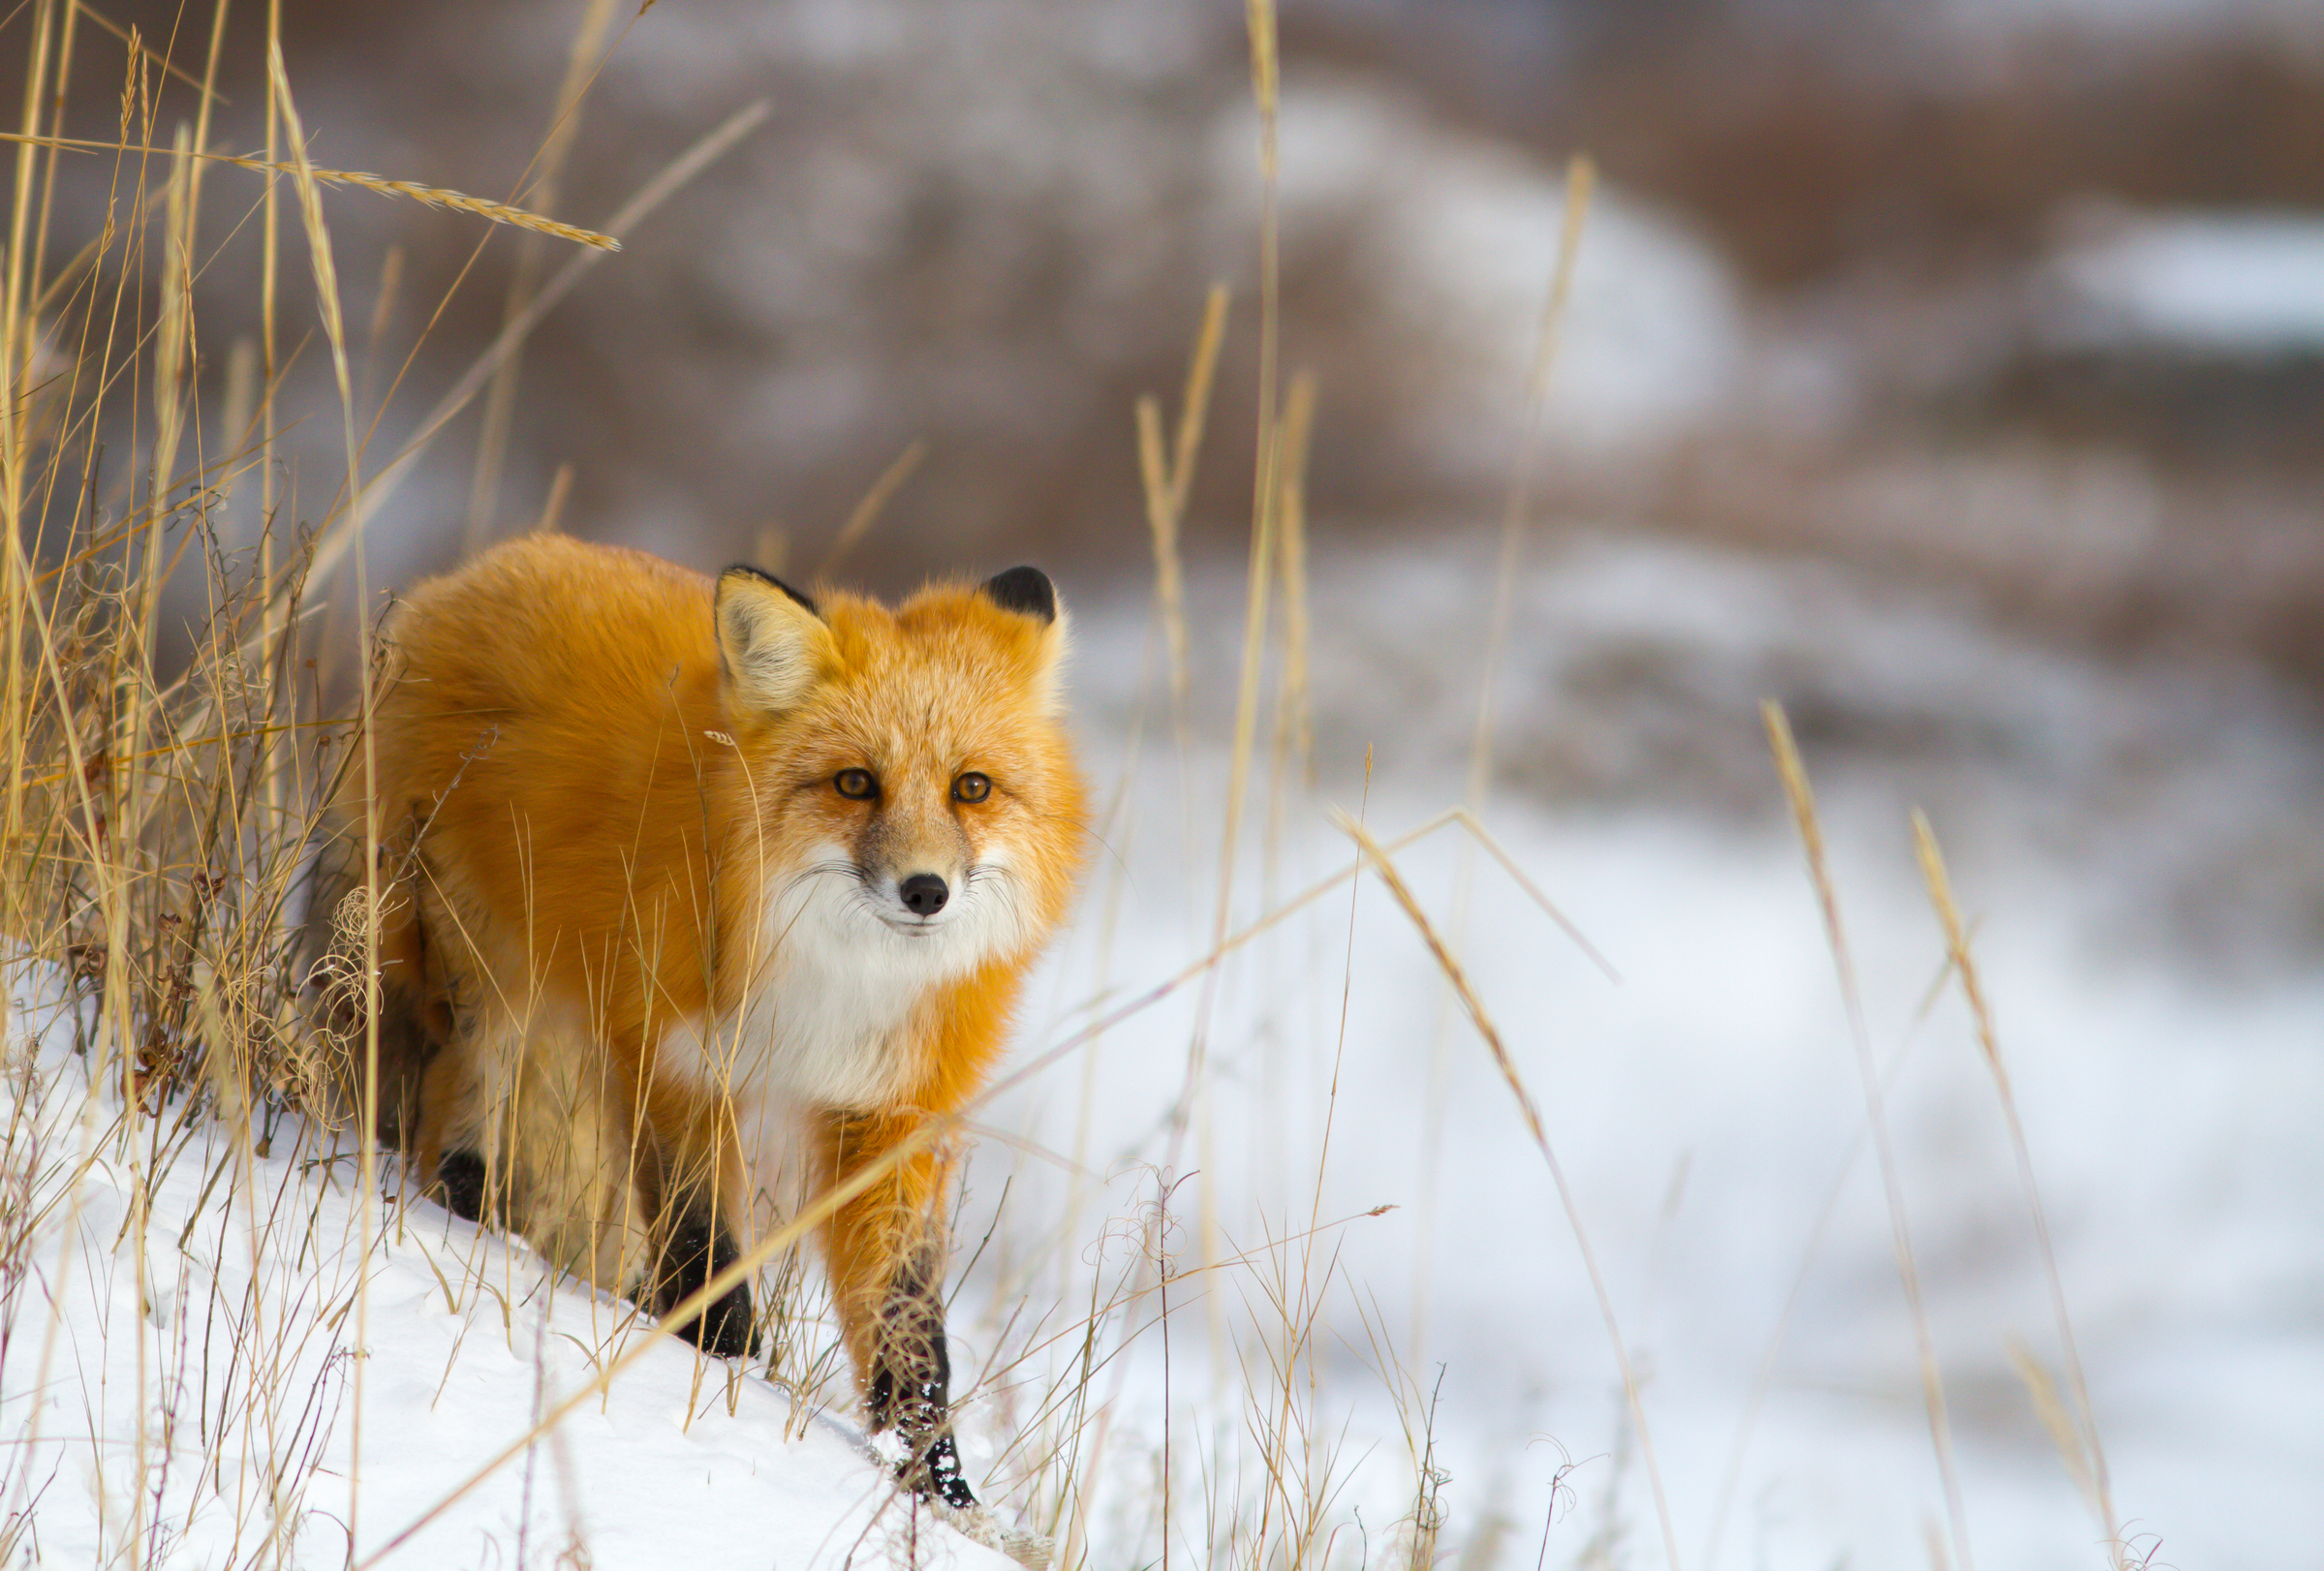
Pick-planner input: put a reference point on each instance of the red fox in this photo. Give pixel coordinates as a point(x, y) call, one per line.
point(696, 899)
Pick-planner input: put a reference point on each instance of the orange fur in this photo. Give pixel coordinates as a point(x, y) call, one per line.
point(647, 920)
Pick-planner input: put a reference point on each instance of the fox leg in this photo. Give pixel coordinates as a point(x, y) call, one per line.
point(884, 1250)
point(701, 1214)
point(410, 1026)
point(529, 1125)
point(569, 1130)
point(452, 1138)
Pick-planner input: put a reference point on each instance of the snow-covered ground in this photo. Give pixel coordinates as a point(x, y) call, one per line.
point(244, 1363)
point(1706, 1107)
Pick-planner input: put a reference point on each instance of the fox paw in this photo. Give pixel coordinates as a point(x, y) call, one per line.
point(460, 1179)
point(726, 1329)
point(940, 1474)
point(695, 1253)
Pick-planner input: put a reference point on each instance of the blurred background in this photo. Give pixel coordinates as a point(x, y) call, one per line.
point(1951, 372)
point(2011, 306)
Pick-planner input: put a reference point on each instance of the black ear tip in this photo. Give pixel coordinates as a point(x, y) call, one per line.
point(1024, 589)
point(766, 578)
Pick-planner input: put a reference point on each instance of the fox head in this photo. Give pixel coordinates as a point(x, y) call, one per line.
point(918, 804)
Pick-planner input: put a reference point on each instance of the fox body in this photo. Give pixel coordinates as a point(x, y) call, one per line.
point(698, 900)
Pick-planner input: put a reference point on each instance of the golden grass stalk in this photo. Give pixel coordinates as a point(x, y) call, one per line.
point(201, 121)
point(1167, 483)
point(1795, 775)
point(326, 293)
point(171, 342)
point(383, 313)
point(107, 859)
point(1193, 1100)
point(1292, 724)
point(1161, 526)
point(439, 197)
point(1296, 721)
point(2067, 1433)
point(1300, 1310)
point(18, 337)
point(56, 112)
point(270, 268)
point(1581, 180)
point(1194, 406)
point(2086, 1455)
point(553, 511)
point(668, 182)
point(773, 549)
point(137, 47)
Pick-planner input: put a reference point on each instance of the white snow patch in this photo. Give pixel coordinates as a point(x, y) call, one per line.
point(2235, 284)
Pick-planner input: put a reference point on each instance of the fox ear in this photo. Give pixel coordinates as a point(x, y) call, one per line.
point(1028, 591)
point(1025, 590)
point(772, 644)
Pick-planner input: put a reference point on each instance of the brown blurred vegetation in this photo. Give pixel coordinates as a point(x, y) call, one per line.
point(991, 229)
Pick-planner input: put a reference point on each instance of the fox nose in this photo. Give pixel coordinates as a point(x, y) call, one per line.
point(924, 894)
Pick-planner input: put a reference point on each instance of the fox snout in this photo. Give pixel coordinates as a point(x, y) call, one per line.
point(914, 856)
point(922, 889)
point(924, 894)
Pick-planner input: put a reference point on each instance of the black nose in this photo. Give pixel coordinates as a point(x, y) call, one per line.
point(924, 894)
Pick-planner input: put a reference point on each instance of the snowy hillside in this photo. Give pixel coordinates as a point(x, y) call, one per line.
point(244, 1366)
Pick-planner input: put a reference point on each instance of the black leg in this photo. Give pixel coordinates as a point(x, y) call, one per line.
point(694, 1253)
point(911, 1385)
point(461, 1178)
point(943, 1475)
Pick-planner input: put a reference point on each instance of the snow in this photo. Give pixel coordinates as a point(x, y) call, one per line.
point(2236, 284)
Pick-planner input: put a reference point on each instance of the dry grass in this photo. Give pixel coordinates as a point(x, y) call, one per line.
point(2075, 1432)
point(1795, 775)
point(875, 502)
point(427, 196)
point(1516, 524)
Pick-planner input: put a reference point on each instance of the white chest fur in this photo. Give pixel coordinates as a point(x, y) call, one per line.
point(836, 1014)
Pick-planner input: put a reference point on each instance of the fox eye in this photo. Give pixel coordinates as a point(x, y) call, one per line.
point(972, 787)
point(859, 785)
